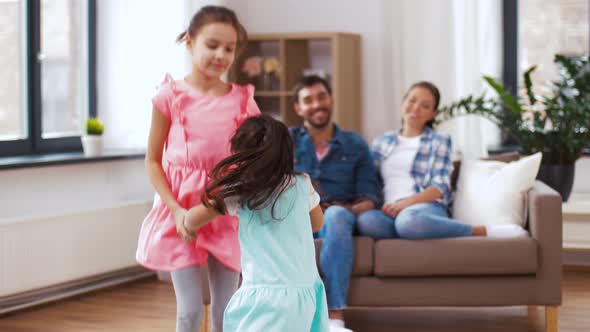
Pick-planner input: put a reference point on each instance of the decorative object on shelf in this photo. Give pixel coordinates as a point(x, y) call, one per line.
point(558, 124)
point(92, 141)
point(270, 74)
point(263, 73)
point(252, 66)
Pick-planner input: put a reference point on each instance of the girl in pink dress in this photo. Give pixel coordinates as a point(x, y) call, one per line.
point(193, 119)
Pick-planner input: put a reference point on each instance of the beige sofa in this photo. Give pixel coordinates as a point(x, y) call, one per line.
point(466, 271)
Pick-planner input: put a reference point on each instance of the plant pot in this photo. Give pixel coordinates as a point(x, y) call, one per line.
point(558, 177)
point(92, 145)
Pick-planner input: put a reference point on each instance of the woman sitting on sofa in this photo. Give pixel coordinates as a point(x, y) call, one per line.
point(415, 166)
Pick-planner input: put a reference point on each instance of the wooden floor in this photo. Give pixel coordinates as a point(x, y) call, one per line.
point(149, 305)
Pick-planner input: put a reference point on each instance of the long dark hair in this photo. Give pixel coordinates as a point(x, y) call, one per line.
point(259, 169)
point(214, 14)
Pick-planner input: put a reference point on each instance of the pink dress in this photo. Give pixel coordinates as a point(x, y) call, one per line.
point(200, 132)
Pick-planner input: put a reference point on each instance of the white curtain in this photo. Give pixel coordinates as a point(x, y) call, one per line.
point(451, 43)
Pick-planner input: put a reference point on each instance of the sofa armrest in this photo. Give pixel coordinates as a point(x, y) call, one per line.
point(544, 214)
point(545, 226)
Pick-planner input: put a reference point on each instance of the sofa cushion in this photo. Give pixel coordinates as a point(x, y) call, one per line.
point(495, 186)
point(503, 157)
point(363, 255)
point(455, 257)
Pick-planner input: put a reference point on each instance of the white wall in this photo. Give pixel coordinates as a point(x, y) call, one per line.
point(67, 189)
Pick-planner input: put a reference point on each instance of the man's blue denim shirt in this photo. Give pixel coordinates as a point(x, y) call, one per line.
point(345, 174)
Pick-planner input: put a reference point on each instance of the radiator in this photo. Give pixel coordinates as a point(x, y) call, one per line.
point(48, 258)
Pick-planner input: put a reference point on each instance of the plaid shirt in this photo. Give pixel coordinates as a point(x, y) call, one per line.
point(432, 166)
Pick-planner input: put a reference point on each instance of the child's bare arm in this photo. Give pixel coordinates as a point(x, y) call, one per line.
point(153, 159)
point(317, 218)
point(193, 220)
point(199, 216)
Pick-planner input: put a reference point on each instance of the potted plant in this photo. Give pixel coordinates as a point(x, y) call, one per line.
point(92, 140)
point(558, 124)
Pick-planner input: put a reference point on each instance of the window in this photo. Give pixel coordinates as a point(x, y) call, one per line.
point(48, 69)
point(536, 30)
point(547, 27)
point(13, 116)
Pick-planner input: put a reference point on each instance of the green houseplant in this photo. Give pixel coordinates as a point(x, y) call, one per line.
point(94, 127)
point(92, 139)
point(557, 124)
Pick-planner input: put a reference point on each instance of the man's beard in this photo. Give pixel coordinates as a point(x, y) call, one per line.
point(325, 123)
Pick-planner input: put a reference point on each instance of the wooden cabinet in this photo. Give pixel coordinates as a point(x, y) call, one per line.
point(274, 63)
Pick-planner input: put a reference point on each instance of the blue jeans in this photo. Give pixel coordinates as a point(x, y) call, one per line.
point(337, 254)
point(420, 221)
point(417, 222)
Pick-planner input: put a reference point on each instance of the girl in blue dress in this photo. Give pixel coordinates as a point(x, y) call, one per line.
point(278, 211)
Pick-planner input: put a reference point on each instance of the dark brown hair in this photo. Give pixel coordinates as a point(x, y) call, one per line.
point(258, 170)
point(214, 14)
point(433, 90)
point(307, 81)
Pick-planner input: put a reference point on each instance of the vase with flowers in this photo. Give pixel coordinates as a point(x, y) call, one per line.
point(270, 75)
point(263, 73)
point(251, 68)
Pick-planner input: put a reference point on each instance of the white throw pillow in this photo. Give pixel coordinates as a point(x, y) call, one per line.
point(494, 192)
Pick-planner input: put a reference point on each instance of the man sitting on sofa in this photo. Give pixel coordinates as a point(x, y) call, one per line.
point(341, 163)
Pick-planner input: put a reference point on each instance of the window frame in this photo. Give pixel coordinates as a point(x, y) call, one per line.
point(510, 49)
point(35, 143)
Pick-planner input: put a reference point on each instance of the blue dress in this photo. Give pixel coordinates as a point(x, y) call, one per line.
point(281, 288)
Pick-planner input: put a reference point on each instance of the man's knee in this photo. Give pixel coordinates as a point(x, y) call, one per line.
point(337, 216)
point(339, 213)
point(367, 220)
point(370, 216)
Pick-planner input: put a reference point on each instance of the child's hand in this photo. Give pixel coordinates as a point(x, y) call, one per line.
point(193, 219)
point(180, 216)
point(187, 235)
